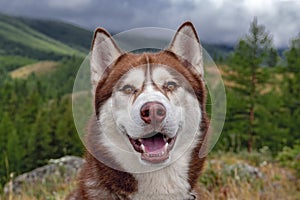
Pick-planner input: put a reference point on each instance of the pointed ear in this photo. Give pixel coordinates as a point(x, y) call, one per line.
point(104, 53)
point(186, 45)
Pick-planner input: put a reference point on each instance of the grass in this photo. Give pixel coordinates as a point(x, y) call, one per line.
point(277, 182)
point(37, 68)
point(52, 189)
point(216, 183)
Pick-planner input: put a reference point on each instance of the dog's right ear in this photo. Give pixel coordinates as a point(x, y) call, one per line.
point(104, 52)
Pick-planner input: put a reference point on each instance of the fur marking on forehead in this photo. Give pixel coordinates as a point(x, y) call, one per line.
point(134, 76)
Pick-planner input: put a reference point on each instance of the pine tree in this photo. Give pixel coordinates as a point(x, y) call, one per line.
point(292, 89)
point(11, 151)
point(271, 131)
point(66, 133)
point(14, 151)
point(39, 147)
point(273, 58)
point(250, 55)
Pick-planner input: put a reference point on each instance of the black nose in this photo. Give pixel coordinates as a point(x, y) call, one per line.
point(153, 113)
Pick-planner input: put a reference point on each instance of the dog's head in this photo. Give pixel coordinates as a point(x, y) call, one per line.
point(149, 105)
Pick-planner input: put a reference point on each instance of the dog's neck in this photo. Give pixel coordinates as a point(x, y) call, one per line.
point(170, 182)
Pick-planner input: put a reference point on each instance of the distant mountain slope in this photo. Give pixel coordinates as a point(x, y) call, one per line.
point(69, 34)
point(218, 51)
point(41, 39)
point(17, 38)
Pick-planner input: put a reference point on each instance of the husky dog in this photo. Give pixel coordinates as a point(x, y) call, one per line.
point(149, 122)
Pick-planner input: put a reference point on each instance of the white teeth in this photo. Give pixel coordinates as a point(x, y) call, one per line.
point(166, 147)
point(143, 148)
point(156, 155)
point(140, 140)
point(162, 153)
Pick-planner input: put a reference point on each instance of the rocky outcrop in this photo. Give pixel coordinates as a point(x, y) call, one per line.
point(243, 171)
point(64, 168)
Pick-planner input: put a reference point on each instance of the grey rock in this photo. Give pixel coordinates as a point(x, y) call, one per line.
point(66, 167)
point(243, 171)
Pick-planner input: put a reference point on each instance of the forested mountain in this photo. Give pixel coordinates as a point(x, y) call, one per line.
point(39, 39)
point(49, 39)
point(71, 35)
point(35, 111)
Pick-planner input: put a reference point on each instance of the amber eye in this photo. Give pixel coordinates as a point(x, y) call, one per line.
point(171, 86)
point(128, 89)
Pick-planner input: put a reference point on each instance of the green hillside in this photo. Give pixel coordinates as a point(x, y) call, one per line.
point(17, 38)
point(41, 39)
point(69, 34)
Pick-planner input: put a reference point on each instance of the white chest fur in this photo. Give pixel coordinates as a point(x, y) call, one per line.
point(168, 183)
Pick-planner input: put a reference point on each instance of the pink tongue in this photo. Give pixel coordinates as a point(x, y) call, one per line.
point(154, 143)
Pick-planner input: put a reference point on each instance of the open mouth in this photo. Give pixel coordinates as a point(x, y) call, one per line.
point(153, 149)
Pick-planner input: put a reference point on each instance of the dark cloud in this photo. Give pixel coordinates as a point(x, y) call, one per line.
point(217, 21)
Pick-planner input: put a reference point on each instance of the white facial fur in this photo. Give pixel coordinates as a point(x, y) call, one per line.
point(128, 114)
point(120, 116)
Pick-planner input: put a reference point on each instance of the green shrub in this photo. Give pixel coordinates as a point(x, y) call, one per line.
point(290, 157)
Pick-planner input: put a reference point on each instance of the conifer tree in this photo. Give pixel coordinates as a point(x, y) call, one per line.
point(292, 89)
point(39, 140)
point(250, 55)
point(10, 147)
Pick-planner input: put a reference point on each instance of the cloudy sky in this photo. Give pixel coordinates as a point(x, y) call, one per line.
point(217, 21)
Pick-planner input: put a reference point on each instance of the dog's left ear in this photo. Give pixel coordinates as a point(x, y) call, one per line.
point(186, 45)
